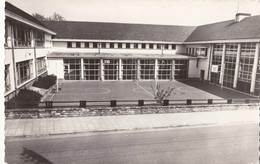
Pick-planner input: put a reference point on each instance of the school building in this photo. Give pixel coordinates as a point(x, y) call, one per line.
point(224, 53)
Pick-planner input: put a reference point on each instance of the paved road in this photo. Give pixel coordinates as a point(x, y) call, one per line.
point(230, 144)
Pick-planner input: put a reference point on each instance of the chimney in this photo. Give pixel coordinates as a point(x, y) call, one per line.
point(240, 16)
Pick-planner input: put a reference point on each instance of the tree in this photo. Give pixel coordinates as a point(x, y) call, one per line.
point(54, 17)
point(161, 95)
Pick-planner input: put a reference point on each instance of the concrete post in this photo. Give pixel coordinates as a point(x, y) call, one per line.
point(156, 69)
point(173, 69)
point(221, 79)
point(138, 69)
point(120, 69)
point(210, 56)
point(101, 70)
point(82, 68)
point(237, 66)
point(254, 71)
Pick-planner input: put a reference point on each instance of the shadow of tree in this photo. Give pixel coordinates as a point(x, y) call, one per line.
point(33, 157)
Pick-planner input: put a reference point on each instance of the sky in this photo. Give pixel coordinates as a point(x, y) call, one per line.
point(170, 12)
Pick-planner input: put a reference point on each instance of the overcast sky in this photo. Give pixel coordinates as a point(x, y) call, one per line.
point(173, 12)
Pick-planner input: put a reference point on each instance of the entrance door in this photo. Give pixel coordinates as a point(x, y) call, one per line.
point(202, 73)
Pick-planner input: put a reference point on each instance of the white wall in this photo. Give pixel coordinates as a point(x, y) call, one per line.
point(55, 66)
point(193, 70)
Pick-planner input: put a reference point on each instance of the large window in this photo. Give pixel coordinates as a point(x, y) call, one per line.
point(22, 36)
point(181, 69)
point(129, 69)
point(7, 78)
point(91, 69)
point(147, 69)
point(39, 38)
point(230, 65)
point(24, 71)
point(216, 61)
point(111, 69)
point(164, 69)
point(257, 81)
point(72, 69)
point(40, 65)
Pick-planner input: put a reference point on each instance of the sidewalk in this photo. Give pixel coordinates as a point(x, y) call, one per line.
point(70, 125)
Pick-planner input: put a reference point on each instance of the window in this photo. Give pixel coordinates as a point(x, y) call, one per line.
point(246, 62)
point(72, 69)
point(147, 69)
point(166, 46)
point(181, 69)
point(78, 45)
point(86, 44)
point(95, 45)
point(159, 46)
point(143, 46)
point(111, 69)
point(257, 81)
point(136, 45)
point(173, 46)
point(91, 69)
point(7, 78)
point(22, 36)
point(216, 60)
point(24, 71)
point(230, 65)
point(120, 45)
point(128, 45)
point(150, 46)
point(103, 45)
point(112, 45)
point(40, 65)
point(69, 44)
point(164, 69)
point(39, 38)
point(129, 69)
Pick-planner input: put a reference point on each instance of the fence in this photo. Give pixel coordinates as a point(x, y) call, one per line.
point(115, 103)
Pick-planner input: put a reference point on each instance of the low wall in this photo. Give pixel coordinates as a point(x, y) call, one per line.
point(107, 111)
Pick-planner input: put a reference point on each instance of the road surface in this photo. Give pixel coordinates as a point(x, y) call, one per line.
point(228, 144)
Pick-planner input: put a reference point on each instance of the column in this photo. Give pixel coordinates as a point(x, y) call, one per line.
point(120, 69)
point(254, 71)
point(173, 69)
point(221, 78)
point(82, 68)
point(138, 69)
point(237, 65)
point(101, 70)
point(210, 55)
point(156, 69)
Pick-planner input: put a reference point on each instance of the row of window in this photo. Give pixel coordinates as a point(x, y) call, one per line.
point(23, 35)
point(24, 71)
point(198, 51)
point(129, 68)
point(120, 45)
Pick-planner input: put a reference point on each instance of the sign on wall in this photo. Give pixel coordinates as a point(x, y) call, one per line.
point(214, 68)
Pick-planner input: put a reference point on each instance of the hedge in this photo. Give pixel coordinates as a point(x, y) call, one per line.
point(45, 82)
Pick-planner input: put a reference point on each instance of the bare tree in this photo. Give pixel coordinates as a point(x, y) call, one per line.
point(54, 17)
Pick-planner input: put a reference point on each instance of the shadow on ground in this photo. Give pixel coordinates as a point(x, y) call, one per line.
point(215, 90)
point(30, 156)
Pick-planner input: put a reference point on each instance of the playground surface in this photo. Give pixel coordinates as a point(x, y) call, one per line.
point(139, 90)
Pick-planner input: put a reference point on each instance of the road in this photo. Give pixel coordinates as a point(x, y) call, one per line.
point(229, 144)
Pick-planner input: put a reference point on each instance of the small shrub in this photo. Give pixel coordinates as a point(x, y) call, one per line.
point(45, 82)
point(161, 95)
point(27, 98)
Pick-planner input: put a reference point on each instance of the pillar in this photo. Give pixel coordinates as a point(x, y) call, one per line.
point(82, 68)
point(210, 55)
point(173, 69)
point(101, 70)
point(254, 71)
point(222, 65)
point(237, 65)
point(138, 69)
point(156, 69)
point(120, 69)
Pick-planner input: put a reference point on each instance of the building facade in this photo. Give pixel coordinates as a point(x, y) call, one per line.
point(224, 53)
point(27, 43)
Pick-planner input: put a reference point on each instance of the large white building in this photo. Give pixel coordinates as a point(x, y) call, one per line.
point(224, 53)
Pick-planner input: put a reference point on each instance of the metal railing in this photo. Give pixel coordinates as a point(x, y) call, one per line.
point(115, 103)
